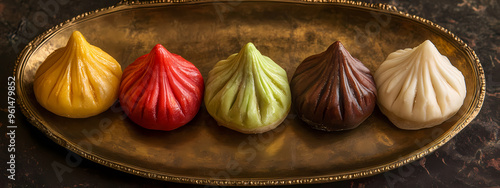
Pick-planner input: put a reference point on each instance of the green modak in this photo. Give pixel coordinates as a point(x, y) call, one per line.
point(248, 92)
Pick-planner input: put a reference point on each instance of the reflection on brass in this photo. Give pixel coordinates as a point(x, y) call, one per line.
point(201, 152)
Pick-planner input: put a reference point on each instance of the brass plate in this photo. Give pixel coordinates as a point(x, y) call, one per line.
point(205, 32)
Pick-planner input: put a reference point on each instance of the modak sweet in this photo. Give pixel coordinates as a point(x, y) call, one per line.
point(78, 80)
point(419, 88)
point(333, 91)
point(248, 92)
point(161, 90)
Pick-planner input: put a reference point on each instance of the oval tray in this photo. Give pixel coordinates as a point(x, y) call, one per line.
point(205, 32)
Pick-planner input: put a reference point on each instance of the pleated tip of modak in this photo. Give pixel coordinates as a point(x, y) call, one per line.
point(77, 38)
point(159, 50)
point(249, 48)
point(337, 47)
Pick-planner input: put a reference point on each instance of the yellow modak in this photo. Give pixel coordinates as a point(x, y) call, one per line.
point(78, 80)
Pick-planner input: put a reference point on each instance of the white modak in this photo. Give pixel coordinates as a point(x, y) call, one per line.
point(419, 88)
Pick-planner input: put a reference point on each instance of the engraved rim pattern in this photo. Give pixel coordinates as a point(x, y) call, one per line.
point(125, 4)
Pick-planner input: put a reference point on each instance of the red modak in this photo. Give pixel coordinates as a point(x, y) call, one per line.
point(161, 90)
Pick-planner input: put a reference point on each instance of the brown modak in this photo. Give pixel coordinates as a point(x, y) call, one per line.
point(333, 91)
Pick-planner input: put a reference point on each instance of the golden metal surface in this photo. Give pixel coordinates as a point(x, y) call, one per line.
point(204, 32)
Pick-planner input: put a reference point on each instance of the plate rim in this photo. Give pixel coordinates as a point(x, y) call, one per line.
point(363, 172)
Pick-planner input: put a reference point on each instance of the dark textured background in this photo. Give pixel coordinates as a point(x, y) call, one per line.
point(470, 159)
